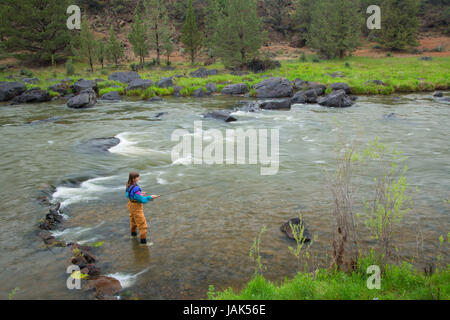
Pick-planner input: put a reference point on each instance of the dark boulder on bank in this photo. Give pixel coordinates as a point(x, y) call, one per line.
point(82, 85)
point(211, 87)
point(139, 84)
point(32, 95)
point(59, 88)
point(86, 98)
point(274, 88)
point(203, 73)
point(298, 224)
point(341, 86)
point(9, 90)
point(438, 94)
point(298, 98)
point(221, 115)
point(30, 80)
point(124, 77)
point(234, 89)
point(336, 99)
point(165, 83)
point(100, 144)
point(200, 93)
point(276, 105)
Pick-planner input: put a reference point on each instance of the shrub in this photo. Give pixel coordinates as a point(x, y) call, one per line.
point(70, 68)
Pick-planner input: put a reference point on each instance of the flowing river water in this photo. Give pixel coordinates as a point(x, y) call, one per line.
point(201, 236)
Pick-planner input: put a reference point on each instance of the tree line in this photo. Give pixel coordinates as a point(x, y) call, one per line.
point(232, 31)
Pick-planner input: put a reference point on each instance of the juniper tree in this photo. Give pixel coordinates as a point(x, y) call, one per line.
point(239, 33)
point(87, 44)
point(399, 24)
point(158, 25)
point(335, 27)
point(168, 46)
point(138, 36)
point(213, 14)
point(190, 35)
point(101, 52)
point(35, 29)
point(114, 47)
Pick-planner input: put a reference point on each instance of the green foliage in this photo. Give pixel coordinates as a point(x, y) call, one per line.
point(101, 52)
point(114, 47)
point(390, 201)
point(103, 91)
point(35, 30)
point(335, 27)
point(158, 25)
point(70, 68)
point(190, 35)
point(398, 283)
point(400, 24)
point(239, 33)
point(12, 294)
point(255, 252)
point(298, 233)
point(138, 36)
point(86, 44)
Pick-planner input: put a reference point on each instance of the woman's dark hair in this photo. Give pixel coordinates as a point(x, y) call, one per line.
point(132, 177)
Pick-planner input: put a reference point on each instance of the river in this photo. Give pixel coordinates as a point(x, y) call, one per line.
point(201, 236)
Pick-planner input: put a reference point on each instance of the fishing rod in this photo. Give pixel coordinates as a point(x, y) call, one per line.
point(187, 189)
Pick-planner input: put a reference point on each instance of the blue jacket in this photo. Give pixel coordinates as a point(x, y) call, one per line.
point(132, 194)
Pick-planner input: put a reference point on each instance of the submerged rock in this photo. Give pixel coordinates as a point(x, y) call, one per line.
point(297, 223)
point(221, 115)
point(274, 88)
point(101, 144)
point(9, 90)
point(105, 286)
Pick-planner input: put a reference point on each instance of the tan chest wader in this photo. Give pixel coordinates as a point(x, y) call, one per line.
point(137, 219)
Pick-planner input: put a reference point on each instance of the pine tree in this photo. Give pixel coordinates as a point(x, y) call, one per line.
point(168, 46)
point(399, 24)
point(190, 35)
point(114, 47)
point(239, 33)
point(35, 29)
point(138, 36)
point(335, 27)
point(158, 25)
point(87, 44)
point(213, 14)
point(301, 17)
point(101, 52)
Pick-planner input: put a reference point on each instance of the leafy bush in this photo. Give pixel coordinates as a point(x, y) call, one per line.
point(70, 68)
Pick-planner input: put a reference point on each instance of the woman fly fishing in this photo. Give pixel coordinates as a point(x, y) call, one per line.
point(136, 200)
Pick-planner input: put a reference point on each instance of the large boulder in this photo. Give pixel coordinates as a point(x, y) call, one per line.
point(299, 98)
point(274, 88)
point(86, 98)
point(165, 83)
point(112, 96)
point(336, 99)
point(200, 93)
point(211, 87)
point(239, 88)
point(83, 84)
point(30, 80)
point(32, 95)
point(221, 115)
point(139, 84)
point(203, 73)
point(276, 105)
point(59, 88)
point(124, 77)
point(299, 84)
point(341, 86)
point(9, 90)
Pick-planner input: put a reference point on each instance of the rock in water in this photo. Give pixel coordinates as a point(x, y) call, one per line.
point(276, 105)
point(286, 228)
point(104, 285)
point(274, 88)
point(9, 90)
point(85, 99)
point(101, 144)
point(220, 115)
point(336, 99)
point(32, 95)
